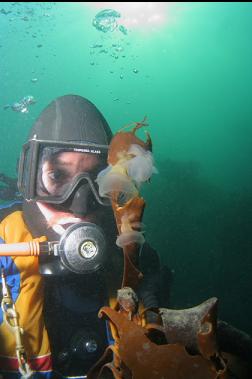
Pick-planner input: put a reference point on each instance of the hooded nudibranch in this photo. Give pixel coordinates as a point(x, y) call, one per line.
point(127, 238)
point(111, 181)
point(141, 166)
point(128, 235)
point(130, 164)
point(122, 141)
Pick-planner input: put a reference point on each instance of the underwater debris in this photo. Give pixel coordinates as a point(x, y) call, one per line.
point(96, 45)
point(3, 11)
point(22, 105)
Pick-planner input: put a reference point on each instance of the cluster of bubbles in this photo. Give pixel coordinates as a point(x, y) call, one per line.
point(114, 50)
point(32, 23)
point(21, 106)
point(107, 21)
point(113, 43)
point(28, 22)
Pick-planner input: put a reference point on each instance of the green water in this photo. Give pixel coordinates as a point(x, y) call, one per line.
point(194, 83)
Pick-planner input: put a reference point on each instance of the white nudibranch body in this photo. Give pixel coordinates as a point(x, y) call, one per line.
point(133, 168)
point(110, 180)
point(127, 174)
point(132, 236)
point(141, 167)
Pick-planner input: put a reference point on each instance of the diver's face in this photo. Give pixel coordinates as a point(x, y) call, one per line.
point(71, 173)
point(59, 173)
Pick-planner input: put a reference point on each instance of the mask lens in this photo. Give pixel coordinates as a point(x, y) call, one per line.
point(23, 172)
point(60, 171)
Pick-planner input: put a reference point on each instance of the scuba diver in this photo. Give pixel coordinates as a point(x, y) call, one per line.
point(49, 324)
point(51, 301)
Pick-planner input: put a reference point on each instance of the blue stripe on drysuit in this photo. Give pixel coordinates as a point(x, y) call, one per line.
point(12, 278)
point(9, 204)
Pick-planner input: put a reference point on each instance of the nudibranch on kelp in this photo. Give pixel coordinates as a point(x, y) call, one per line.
point(130, 164)
point(128, 233)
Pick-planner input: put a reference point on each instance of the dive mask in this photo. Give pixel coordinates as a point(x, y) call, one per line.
point(50, 171)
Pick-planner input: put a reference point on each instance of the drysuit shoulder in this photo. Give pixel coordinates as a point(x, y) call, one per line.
point(10, 207)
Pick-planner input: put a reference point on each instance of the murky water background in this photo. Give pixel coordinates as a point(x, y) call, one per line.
point(192, 77)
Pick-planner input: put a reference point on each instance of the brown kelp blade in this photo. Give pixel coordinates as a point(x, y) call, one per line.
point(134, 208)
point(145, 359)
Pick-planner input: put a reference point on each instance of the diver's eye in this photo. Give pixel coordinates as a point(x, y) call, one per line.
point(57, 175)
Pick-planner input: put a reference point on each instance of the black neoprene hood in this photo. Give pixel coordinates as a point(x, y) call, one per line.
point(72, 118)
point(69, 121)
